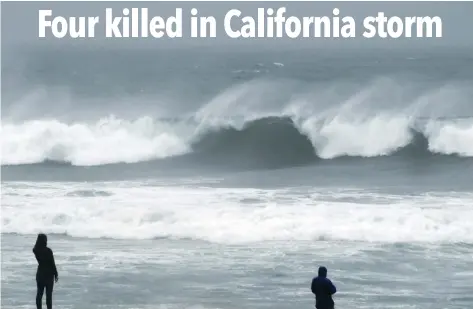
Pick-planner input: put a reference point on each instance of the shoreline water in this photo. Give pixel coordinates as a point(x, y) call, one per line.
point(187, 274)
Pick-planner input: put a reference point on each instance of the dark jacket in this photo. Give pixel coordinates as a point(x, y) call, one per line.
point(323, 289)
point(46, 265)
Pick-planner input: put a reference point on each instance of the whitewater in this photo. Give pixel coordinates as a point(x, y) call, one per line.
point(236, 215)
point(351, 128)
point(233, 176)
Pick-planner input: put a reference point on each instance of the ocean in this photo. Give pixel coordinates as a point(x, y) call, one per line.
point(208, 178)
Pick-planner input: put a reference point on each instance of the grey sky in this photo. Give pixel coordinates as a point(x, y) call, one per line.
point(20, 23)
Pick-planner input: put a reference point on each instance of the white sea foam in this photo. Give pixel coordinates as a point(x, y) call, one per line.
point(132, 211)
point(109, 140)
point(451, 138)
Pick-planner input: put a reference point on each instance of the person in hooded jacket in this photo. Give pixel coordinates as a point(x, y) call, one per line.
point(46, 274)
point(323, 289)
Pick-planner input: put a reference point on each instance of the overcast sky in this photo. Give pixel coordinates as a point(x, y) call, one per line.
point(20, 23)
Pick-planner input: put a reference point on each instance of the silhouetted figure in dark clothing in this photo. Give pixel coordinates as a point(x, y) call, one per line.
point(46, 273)
point(323, 289)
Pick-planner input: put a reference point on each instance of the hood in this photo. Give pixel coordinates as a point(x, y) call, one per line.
point(322, 272)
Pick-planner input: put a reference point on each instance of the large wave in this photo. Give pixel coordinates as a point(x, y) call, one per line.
point(242, 123)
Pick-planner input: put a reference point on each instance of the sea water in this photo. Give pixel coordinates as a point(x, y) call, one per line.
point(166, 179)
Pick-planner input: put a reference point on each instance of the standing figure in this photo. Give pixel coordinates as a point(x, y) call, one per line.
point(323, 289)
point(46, 274)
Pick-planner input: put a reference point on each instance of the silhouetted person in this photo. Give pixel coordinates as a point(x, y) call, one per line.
point(46, 273)
point(323, 289)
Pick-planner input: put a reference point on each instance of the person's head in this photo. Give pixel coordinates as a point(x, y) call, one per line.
point(41, 241)
point(322, 271)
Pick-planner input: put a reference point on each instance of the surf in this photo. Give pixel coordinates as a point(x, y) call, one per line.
point(276, 140)
point(269, 123)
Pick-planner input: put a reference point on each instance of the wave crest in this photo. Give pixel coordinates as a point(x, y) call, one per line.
point(254, 122)
point(272, 141)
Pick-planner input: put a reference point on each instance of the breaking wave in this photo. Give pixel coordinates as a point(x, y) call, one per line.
point(272, 139)
point(238, 125)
